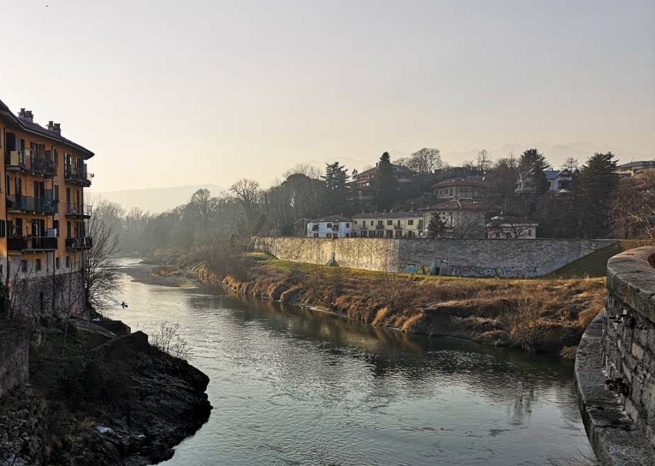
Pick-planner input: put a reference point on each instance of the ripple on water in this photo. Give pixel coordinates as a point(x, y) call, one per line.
point(290, 386)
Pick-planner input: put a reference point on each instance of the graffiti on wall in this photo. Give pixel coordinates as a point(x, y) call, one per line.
point(500, 272)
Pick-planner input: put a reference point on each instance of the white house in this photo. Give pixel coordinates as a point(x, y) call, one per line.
point(461, 219)
point(511, 228)
point(559, 182)
point(334, 226)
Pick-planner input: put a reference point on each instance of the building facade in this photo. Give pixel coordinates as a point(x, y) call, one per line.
point(635, 168)
point(389, 225)
point(461, 189)
point(461, 219)
point(363, 185)
point(42, 220)
point(559, 182)
point(502, 227)
point(334, 226)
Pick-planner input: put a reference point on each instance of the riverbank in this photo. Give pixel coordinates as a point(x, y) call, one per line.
point(96, 397)
point(535, 315)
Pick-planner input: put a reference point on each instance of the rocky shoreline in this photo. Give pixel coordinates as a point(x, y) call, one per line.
point(116, 401)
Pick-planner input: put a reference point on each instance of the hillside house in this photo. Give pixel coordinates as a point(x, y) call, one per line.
point(388, 225)
point(461, 189)
point(334, 226)
point(635, 168)
point(559, 182)
point(363, 185)
point(507, 227)
point(462, 219)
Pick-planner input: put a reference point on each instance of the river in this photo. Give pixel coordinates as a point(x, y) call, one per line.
point(297, 387)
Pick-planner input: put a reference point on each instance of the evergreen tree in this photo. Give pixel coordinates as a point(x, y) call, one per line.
point(532, 159)
point(436, 227)
point(386, 183)
point(594, 187)
point(336, 181)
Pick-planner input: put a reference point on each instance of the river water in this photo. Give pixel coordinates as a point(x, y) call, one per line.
point(297, 387)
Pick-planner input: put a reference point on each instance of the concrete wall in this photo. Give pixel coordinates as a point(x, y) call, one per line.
point(467, 257)
point(615, 364)
point(14, 356)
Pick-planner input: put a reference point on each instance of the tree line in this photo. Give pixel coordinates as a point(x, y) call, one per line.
point(598, 203)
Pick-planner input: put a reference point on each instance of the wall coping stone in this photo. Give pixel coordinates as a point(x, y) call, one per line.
point(631, 277)
point(612, 434)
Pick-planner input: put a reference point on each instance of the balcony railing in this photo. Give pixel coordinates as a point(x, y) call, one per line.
point(33, 243)
point(40, 205)
point(78, 210)
point(379, 227)
point(26, 161)
point(79, 243)
point(77, 174)
point(363, 227)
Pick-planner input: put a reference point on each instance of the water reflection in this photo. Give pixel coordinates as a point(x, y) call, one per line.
point(294, 386)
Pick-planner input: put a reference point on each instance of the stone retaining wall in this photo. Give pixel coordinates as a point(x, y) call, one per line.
point(466, 257)
point(615, 364)
point(14, 356)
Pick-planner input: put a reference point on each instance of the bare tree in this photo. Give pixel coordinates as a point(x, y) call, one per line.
point(304, 169)
point(633, 207)
point(100, 273)
point(570, 164)
point(424, 161)
point(484, 161)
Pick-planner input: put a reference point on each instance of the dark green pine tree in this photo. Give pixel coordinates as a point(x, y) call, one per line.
point(337, 200)
point(532, 159)
point(593, 188)
point(385, 183)
point(436, 227)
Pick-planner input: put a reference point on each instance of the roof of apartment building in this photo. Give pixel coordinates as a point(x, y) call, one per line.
point(472, 181)
point(397, 169)
point(331, 219)
point(32, 127)
point(456, 204)
point(375, 215)
point(638, 164)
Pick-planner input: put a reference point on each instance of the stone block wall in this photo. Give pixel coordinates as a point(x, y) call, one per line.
point(629, 335)
point(33, 297)
point(14, 356)
point(466, 257)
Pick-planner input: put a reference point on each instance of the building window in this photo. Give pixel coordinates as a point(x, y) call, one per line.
point(371, 222)
point(329, 225)
point(55, 225)
point(3, 228)
point(347, 236)
point(23, 266)
point(389, 222)
point(38, 265)
point(410, 222)
point(347, 225)
point(68, 262)
point(529, 231)
point(57, 263)
point(315, 227)
point(315, 235)
point(355, 222)
point(329, 235)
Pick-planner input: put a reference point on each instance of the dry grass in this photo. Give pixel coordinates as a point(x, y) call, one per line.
point(541, 315)
point(164, 270)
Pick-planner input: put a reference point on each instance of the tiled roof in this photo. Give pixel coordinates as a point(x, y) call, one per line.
point(461, 182)
point(38, 129)
point(331, 218)
point(458, 205)
point(374, 215)
point(509, 220)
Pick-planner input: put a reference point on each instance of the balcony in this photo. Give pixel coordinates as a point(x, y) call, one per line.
point(379, 227)
point(32, 244)
point(32, 205)
point(78, 175)
point(78, 211)
point(78, 244)
point(25, 162)
point(363, 227)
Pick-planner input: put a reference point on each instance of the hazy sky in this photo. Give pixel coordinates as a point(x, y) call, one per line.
point(188, 91)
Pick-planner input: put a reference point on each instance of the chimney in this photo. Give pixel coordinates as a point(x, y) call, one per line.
point(29, 117)
point(56, 128)
point(21, 114)
point(51, 126)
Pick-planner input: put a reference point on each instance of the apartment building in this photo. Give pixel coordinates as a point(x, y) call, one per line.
point(42, 221)
point(388, 225)
point(469, 188)
point(363, 185)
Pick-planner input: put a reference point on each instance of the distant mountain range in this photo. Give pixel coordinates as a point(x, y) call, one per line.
point(156, 199)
